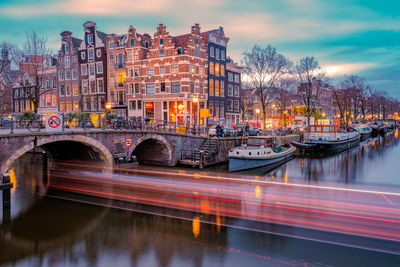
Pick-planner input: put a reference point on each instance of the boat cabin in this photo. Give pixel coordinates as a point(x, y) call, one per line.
point(262, 141)
point(324, 128)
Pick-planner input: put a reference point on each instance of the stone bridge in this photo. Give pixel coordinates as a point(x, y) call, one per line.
point(98, 145)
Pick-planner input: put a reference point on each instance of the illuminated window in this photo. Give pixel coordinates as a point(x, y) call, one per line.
point(48, 100)
point(202, 71)
point(222, 70)
point(120, 78)
point(62, 105)
point(211, 67)
point(54, 100)
point(76, 89)
point(174, 68)
point(69, 106)
point(211, 87)
point(216, 90)
point(192, 69)
point(222, 87)
point(217, 69)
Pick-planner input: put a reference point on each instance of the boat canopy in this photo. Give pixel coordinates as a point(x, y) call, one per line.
point(261, 141)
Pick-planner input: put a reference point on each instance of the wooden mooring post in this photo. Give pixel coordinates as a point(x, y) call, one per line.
point(6, 186)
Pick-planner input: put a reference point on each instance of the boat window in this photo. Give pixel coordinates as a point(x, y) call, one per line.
point(249, 153)
point(237, 152)
point(318, 129)
point(326, 129)
point(258, 153)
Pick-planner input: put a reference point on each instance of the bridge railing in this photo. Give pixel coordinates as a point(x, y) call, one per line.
point(37, 123)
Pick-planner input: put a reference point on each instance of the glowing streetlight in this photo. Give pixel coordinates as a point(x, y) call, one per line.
point(195, 99)
point(108, 106)
point(323, 115)
point(257, 112)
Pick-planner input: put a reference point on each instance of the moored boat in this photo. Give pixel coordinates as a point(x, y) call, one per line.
point(258, 152)
point(327, 138)
point(364, 129)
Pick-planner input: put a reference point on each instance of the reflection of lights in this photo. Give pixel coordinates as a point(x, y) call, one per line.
point(196, 226)
point(181, 107)
point(13, 180)
point(258, 191)
point(273, 105)
point(396, 134)
point(323, 115)
point(218, 222)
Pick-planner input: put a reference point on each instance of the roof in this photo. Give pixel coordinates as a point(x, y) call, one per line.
point(180, 41)
point(102, 36)
point(76, 42)
point(10, 76)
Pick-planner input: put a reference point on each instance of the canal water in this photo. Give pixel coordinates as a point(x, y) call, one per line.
point(50, 228)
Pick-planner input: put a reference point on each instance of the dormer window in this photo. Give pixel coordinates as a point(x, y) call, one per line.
point(197, 40)
point(66, 48)
point(146, 44)
point(132, 42)
point(111, 44)
point(161, 41)
point(180, 51)
point(90, 38)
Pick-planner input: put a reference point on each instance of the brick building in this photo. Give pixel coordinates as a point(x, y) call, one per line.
point(165, 77)
point(217, 44)
point(48, 104)
point(93, 66)
point(233, 92)
point(68, 78)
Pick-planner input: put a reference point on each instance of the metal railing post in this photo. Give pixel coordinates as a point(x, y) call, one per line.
point(12, 126)
point(62, 119)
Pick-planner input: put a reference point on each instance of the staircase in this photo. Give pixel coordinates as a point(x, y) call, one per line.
point(209, 147)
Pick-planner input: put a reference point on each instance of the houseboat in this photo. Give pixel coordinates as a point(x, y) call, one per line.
point(364, 129)
point(258, 152)
point(328, 138)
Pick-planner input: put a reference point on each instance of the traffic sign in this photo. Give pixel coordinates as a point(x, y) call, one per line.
point(128, 142)
point(54, 124)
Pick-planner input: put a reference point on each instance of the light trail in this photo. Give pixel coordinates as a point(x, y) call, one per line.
point(242, 179)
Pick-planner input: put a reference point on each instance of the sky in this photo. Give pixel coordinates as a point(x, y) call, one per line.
point(360, 37)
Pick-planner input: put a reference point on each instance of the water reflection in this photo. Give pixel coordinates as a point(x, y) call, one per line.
point(375, 161)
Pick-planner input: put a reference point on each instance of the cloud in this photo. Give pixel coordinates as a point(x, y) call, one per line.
point(101, 7)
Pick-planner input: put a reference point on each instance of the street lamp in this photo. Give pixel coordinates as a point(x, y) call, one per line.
point(195, 100)
point(108, 107)
point(257, 112)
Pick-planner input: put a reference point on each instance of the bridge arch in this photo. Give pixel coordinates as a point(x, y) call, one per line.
point(151, 146)
point(40, 141)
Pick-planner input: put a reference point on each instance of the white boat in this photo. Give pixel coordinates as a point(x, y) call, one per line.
point(258, 152)
point(364, 129)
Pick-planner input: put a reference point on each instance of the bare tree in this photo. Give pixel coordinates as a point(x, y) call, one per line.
point(310, 77)
point(247, 102)
point(286, 89)
point(263, 67)
point(34, 61)
point(8, 59)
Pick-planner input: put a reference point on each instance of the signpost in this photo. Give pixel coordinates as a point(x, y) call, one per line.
point(54, 124)
point(128, 142)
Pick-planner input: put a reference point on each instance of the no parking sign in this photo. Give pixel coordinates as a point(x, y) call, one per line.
point(54, 124)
